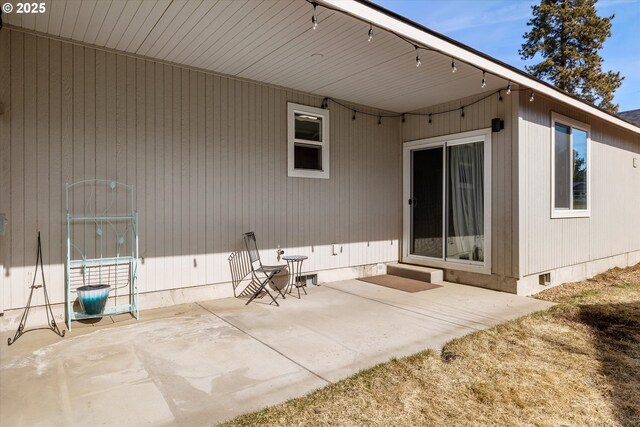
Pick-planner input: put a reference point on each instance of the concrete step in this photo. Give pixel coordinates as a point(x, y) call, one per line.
point(416, 272)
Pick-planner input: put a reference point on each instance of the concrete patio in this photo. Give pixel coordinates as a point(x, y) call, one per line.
point(199, 364)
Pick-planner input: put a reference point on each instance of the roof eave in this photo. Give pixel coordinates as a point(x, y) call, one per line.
point(390, 21)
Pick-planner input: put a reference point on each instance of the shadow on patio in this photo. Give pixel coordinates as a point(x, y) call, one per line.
point(202, 363)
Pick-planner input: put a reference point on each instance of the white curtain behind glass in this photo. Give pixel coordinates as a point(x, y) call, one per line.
point(465, 238)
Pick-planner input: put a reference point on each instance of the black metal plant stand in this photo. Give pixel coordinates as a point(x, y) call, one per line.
point(51, 323)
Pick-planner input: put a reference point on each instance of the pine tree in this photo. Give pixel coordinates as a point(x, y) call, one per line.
point(568, 35)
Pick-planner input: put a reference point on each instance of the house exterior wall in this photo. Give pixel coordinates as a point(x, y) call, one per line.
point(576, 248)
point(504, 178)
point(206, 155)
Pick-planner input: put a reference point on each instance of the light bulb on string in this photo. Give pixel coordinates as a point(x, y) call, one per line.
point(531, 97)
point(418, 61)
point(509, 88)
point(429, 118)
point(370, 32)
point(314, 18)
point(484, 81)
point(453, 66)
point(461, 111)
point(379, 120)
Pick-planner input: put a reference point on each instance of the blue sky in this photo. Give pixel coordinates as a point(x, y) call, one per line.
point(496, 27)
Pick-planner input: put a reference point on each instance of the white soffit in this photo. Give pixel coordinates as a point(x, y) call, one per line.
point(412, 32)
point(269, 41)
point(272, 41)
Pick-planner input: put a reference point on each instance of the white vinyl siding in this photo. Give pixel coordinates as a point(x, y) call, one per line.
point(207, 156)
point(612, 227)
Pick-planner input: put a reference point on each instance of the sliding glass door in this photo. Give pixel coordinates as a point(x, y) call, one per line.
point(446, 218)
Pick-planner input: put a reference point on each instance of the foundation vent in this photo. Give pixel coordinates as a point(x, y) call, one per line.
point(544, 279)
point(309, 279)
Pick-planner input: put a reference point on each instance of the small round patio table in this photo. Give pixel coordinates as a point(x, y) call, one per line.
point(294, 264)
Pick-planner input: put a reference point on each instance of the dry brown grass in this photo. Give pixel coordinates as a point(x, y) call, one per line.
point(576, 364)
point(615, 276)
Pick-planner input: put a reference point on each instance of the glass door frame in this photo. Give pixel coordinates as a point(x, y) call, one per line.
point(481, 135)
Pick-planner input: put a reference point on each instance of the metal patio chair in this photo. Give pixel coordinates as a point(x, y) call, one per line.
point(262, 274)
point(240, 267)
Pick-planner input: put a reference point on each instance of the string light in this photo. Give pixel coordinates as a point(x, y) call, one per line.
point(314, 18)
point(454, 68)
point(429, 116)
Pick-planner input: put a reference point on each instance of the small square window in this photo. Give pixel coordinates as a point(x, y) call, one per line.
point(308, 141)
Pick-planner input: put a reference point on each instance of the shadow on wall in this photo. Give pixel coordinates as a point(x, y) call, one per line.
point(199, 210)
point(616, 331)
point(185, 249)
point(225, 242)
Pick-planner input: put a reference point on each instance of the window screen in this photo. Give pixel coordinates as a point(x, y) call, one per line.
point(308, 157)
point(579, 169)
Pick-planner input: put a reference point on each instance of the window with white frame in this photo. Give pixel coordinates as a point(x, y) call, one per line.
point(308, 141)
point(570, 171)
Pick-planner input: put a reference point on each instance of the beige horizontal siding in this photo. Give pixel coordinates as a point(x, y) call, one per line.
point(614, 225)
point(206, 155)
point(504, 176)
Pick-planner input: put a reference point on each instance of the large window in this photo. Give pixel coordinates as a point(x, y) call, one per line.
point(569, 168)
point(308, 141)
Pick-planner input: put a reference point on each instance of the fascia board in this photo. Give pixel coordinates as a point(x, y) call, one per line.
point(389, 23)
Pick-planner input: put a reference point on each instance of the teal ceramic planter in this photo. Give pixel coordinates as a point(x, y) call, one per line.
point(93, 298)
